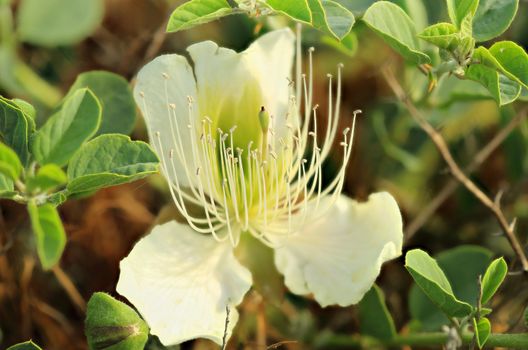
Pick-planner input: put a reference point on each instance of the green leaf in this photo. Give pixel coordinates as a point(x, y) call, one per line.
point(443, 35)
point(49, 233)
point(416, 11)
point(6, 186)
point(331, 17)
point(58, 22)
point(66, 130)
point(460, 9)
point(26, 108)
point(48, 177)
point(9, 163)
point(195, 12)
point(493, 17)
point(115, 96)
point(397, 29)
point(513, 59)
point(493, 278)
point(462, 267)
point(113, 325)
point(29, 345)
point(110, 160)
point(374, 318)
point(482, 331)
point(433, 282)
point(15, 129)
point(297, 10)
point(502, 89)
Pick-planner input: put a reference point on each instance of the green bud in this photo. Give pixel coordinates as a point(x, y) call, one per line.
point(111, 324)
point(264, 119)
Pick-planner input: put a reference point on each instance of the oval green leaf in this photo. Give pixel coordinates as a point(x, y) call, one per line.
point(462, 266)
point(493, 17)
point(9, 163)
point(493, 278)
point(433, 282)
point(64, 132)
point(58, 22)
point(49, 233)
point(48, 177)
point(331, 17)
point(502, 89)
point(397, 29)
point(29, 345)
point(111, 324)
point(374, 317)
point(513, 59)
point(482, 331)
point(443, 35)
point(15, 129)
point(195, 12)
point(459, 9)
point(110, 160)
point(297, 10)
point(115, 96)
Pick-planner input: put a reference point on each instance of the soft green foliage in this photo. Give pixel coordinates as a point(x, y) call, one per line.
point(66, 130)
point(513, 59)
point(29, 345)
point(460, 9)
point(9, 163)
point(374, 318)
point(110, 160)
point(462, 266)
point(15, 128)
point(48, 177)
point(396, 28)
point(493, 17)
point(493, 278)
point(502, 89)
point(115, 96)
point(443, 35)
point(329, 16)
point(58, 22)
point(433, 282)
point(26, 108)
point(49, 233)
point(482, 330)
point(298, 10)
point(112, 325)
point(195, 12)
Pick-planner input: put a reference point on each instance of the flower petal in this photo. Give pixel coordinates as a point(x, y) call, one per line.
point(338, 257)
point(233, 86)
point(168, 79)
point(181, 282)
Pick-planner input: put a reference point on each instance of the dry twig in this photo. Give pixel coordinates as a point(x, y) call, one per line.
point(458, 174)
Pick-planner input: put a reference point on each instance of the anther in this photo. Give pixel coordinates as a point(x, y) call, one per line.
point(311, 49)
point(198, 171)
point(233, 128)
point(172, 105)
point(315, 107)
point(142, 93)
point(165, 75)
point(357, 111)
point(344, 144)
point(340, 65)
point(346, 131)
point(311, 133)
point(328, 75)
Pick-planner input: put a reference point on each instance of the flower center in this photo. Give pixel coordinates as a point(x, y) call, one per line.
point(250, 171)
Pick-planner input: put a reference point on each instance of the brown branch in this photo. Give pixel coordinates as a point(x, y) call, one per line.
point(458, 174)
point(69, 287)
point(446, 192)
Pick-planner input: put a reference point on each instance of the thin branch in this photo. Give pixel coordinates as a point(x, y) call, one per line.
point(72, 291)
point(455, 170)
point(224, 338)
point(453, 184)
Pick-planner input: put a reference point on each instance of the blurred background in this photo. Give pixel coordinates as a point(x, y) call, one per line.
point(390, 153)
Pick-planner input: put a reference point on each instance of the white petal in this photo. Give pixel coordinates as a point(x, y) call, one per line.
point(168, 79)
point(233, 86)
point(181, 282)
point(338, 257)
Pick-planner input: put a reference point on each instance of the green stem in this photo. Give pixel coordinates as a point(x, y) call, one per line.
point(432, 339)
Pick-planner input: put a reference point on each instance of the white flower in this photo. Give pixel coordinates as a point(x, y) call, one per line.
point(233, 143)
